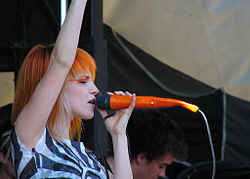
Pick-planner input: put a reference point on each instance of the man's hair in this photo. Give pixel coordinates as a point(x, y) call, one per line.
point(32, 71)
point(154, 134)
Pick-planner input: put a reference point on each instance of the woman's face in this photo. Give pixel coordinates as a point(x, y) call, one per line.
point(81, 93)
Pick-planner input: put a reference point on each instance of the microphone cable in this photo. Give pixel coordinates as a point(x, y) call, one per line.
point(192, 167)
point(211, 144)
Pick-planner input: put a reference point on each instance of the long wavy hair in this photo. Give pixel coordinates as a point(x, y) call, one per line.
point(30, 74)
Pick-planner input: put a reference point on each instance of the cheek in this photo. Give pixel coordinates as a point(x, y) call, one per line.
point(73, 95)
point(150, 170)
point(75, 92)
point(153, 170)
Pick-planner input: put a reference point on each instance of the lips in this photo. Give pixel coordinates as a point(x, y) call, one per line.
point(92, 101)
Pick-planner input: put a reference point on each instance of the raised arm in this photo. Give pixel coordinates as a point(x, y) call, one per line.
point(31, 121)
point(116, 126)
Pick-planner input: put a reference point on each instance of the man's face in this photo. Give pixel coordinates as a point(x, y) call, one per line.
point(151, 170)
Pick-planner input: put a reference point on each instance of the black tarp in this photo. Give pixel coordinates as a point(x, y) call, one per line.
point(132, 69)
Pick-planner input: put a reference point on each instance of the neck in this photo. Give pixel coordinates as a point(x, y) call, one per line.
point(61, 127)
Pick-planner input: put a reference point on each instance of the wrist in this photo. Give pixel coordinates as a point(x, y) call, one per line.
point(118, 140)
point(118, 136)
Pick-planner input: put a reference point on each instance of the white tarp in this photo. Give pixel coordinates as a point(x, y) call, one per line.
point(206, 39)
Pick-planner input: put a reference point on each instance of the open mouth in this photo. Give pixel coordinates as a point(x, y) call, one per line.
point(92, 101)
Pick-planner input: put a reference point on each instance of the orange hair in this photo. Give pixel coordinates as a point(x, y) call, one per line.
point(32, 71)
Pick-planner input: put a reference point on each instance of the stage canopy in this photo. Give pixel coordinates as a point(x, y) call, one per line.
point(205, 39)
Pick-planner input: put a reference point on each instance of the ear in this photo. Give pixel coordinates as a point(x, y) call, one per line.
point(140, 158)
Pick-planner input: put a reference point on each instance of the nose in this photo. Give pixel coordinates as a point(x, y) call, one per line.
point(161, 173)
point(94, 89)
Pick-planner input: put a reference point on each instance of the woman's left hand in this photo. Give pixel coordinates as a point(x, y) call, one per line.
point(116, 124)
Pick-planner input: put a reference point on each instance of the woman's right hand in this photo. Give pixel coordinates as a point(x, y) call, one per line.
point(116, 124)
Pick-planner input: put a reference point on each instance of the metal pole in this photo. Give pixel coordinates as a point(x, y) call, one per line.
point(63, 11)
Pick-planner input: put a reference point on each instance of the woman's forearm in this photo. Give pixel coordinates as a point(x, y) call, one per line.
point(116, 126)
point(122, 167)
point(67, 40)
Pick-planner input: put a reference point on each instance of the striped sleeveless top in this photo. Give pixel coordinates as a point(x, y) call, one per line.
point(54, 159)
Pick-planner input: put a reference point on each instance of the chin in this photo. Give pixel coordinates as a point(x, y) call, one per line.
point(87, 117)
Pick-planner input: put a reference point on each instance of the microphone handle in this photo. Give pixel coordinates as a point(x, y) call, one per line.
point(121, 102)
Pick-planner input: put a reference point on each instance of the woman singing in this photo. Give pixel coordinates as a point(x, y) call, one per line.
point(55, 90)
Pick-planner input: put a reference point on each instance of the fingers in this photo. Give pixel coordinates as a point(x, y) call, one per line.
point(119, 93)
point(110, 93)
point(116, 125)
point(129, 109)
point(132, 105)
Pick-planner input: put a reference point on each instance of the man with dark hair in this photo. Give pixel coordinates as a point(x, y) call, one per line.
point(155, 140)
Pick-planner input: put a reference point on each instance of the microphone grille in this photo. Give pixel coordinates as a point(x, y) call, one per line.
point(103, 102)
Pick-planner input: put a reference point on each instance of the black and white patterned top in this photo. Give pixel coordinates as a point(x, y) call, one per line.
point(54, 159)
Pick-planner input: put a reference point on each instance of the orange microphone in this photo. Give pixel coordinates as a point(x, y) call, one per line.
point(121, 102)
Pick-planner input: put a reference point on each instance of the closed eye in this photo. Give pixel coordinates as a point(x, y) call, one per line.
point(82, 81)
